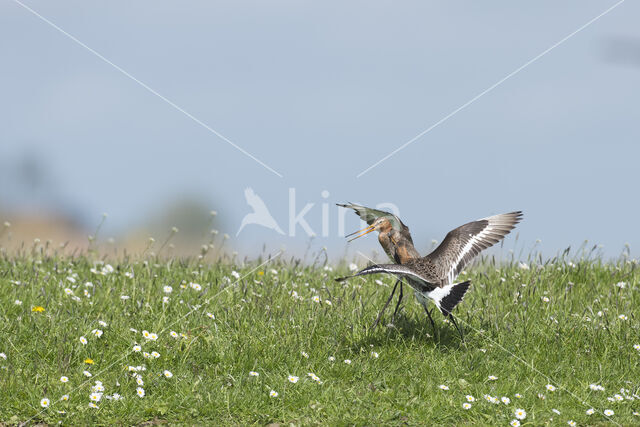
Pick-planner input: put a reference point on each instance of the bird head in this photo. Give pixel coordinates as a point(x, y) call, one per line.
point(380, 224)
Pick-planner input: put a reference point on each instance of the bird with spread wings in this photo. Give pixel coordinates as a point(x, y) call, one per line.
point(433, 277)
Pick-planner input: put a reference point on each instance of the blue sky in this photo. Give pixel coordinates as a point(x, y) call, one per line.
point(321, 91)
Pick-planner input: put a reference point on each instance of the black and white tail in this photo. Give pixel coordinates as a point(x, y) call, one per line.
point(447, 297)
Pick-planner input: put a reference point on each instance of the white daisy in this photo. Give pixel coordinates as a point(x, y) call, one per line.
point(551, 387)
point(443, 387)
point(466, 405)
point(64, 379)
point(293, 379)
point(520, 414)
point(140, 391)
point(45, 403)
point(608, 412)
point(254, 374)
point(273, 393)
point(505, 400)
point(590, 411)
point(470, 398)
point(167, 374)
point(514, 423)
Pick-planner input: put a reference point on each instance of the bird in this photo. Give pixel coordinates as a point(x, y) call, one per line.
point(260, 214)
point(433, 277)
point(395, 239)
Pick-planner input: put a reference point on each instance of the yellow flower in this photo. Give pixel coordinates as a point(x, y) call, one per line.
point(260, 273)
point(37, 309)
point(88, 361)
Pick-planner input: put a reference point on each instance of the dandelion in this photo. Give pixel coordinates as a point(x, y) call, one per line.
point(347, 361)
point(95, 397)
point(273, 393)
point(470, 398)
point(293, 379)
point(555, 411)
point(520, 414)
point(466, 405)
point(551, 387)
point(514, 423)
point(167, 374)
point(211, 316)
point(64, 379)
point(88, 361)
point(45, 403)
point(173, 334)
point(622, 317)
point(37, 309)
point(545, 299)
point(87, 374)
point(444, 387)
point(137, 348)
point(65, 397)
point(140, 391)
point(254, 374)
point(492, 378)
point(608, 412)
point(505, 400)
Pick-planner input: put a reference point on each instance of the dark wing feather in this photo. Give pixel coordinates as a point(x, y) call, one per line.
point(465, 242)
point(395, 269)
point(369, 215)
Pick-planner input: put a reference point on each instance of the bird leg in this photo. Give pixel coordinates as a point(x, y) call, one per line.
point(393, 319)
point(385, 305)
point(457, 327)
point(433, 325)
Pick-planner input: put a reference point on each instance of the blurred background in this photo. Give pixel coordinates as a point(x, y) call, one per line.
point(158, 112)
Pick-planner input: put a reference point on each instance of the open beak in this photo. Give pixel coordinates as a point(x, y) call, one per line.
point(366, 230)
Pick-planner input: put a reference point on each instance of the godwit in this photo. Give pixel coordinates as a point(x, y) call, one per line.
point(432, 277)
point(395, 239)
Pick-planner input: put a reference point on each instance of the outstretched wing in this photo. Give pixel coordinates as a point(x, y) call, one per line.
point(369, 215)
point(395, 269)
point(465, 242)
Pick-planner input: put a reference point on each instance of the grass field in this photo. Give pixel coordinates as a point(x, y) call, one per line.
point(543, 337)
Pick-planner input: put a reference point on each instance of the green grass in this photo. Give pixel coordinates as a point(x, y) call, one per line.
point(510, 333)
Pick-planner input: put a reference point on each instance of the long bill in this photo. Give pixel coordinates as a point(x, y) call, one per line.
point(366, 230)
